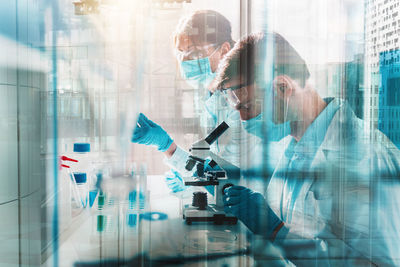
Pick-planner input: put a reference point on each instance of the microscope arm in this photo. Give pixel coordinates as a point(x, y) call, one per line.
point(232, 171)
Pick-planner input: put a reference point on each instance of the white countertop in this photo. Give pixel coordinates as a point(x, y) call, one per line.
point(166, 239)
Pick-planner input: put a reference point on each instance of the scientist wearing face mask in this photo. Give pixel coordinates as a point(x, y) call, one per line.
point(201, 40)
point(333, 198)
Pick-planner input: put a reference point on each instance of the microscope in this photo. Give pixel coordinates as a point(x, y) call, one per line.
point(220, 170)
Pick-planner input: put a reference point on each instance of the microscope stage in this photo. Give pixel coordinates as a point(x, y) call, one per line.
point(210, 214)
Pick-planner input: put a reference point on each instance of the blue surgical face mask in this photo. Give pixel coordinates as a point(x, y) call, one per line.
point(197, 72)
point(269, 130)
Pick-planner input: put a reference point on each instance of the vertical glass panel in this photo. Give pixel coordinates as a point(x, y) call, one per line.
point(199, 132)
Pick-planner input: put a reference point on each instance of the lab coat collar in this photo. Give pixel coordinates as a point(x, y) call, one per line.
point(343, 129)
point(346, 138)
point(315, 133)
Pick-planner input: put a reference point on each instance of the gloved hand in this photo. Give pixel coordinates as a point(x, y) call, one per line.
point(251, 208)
point(150, 133)
point(207, 167)
point(174, 181)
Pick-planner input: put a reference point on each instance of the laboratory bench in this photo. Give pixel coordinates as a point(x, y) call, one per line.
point(155, 235)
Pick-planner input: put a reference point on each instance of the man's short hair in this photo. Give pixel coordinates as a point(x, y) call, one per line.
point(247, 60)
point(204, 27)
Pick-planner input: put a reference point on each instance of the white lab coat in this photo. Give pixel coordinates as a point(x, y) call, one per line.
point(347, 207)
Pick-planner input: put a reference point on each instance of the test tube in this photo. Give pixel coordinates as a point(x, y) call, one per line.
point(143, 196)
point(82, 186)
point(75, 192)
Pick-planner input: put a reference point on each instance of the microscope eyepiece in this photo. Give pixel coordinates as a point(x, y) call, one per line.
point(217, 132)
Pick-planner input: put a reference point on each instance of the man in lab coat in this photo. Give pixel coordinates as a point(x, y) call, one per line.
point(334, 197)
point(201, 40)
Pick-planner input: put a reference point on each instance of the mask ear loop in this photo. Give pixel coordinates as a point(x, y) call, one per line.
point(216, 49)
point(243, 94)
point(209, 63)
point(286, 111)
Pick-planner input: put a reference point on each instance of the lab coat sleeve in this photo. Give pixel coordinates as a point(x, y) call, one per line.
point(328, 249)
point(297, 248)
point(316, 251)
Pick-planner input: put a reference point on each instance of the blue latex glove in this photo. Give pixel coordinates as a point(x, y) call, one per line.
point(207, 167)
point(150, 133)
point(251, 208)
point(174, 181)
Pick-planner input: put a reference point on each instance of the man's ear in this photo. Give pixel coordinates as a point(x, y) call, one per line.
point(225, 47)
point(283, 87)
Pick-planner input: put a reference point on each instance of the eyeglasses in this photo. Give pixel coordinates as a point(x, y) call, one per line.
point(235, 94)
point(195, 53)
point(236, 87)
